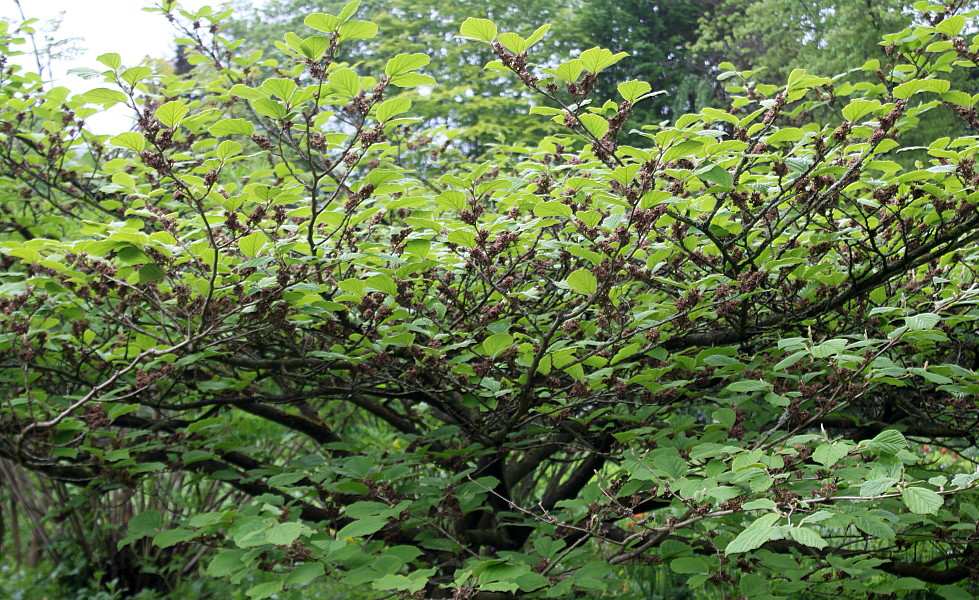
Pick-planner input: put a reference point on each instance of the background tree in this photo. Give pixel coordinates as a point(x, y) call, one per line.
point(742, 351)
point(658, 36)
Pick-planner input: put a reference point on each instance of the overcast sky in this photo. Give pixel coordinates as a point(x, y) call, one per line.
point(103, 26)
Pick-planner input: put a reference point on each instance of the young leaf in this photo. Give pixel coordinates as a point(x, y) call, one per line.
point(495, 344)
point(631, 90)
point(552, 209)
point(134, 75)
point(231, 127)
point(514, 43)
point(130, 139)
point(597, 59)
point(227, 149)
point(349, 10)
point(402, 63)
point(283, 534)
point(595, 124)
point(111, 60)
point(345, 83)
point(251, 245)
point(391, 108)
point(357, 30)
point(171, 113)
point(583, 282)
point(322, 22)
point(478, 29)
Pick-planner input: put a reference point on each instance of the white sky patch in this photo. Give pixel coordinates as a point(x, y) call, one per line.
point(102, 26)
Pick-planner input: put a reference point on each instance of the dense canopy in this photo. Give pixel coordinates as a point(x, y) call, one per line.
point(291, 335)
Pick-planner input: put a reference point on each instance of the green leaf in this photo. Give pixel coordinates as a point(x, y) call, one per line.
point(412, 79)
point(391, 108)
point(954, 592)
point(322, 22)
point(583, 282)
point(754, 536)
point(264, 590)
point(251, 245)
point(922, 321)
point(859, 107)
point(873, 526)
point(149, 273)
point(305, 573)
point(134, 75)
point(402, 63)
point(314, 47)
point(171, 113)
point(345, 82)
point(172, 537)
point(282, 88)
point(689, 565)
point(357, 30)
point(269, 108)
point(383, 283)
point(146, 523)
point(570, 70)
point(749, 385)
point(514, 43)
point(495, 344)
point(538, 35)
point(890, 441)
point(349, 10)
point(478, 29)
point(921, 501)
point(283, 534)
point(951, 26)
point(807, 537)
point(631, 90)
point(626, 352)
point(552, 209)
point(830, 453)
point(716, 174)
point(111, 60)
point(916, 86)
point(362, 527)
point(597, 59)
point(226, 562)
point(105, 97)
point(877, 487)
point(130, 139)
point(681, 150)
point(231, 127)
point(788, 134)
point(595, 124)
point(227, 149)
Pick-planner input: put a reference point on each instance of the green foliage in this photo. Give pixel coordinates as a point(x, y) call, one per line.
point(279, 336)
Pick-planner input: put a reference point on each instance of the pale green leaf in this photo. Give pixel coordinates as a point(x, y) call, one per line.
point(231, 127)
point(402, 63)
point(251, 245)
point(478, 29)
point(921, 501)
point(131, 139)
point(171, 113)
point(283, 534)
point(582, 281)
